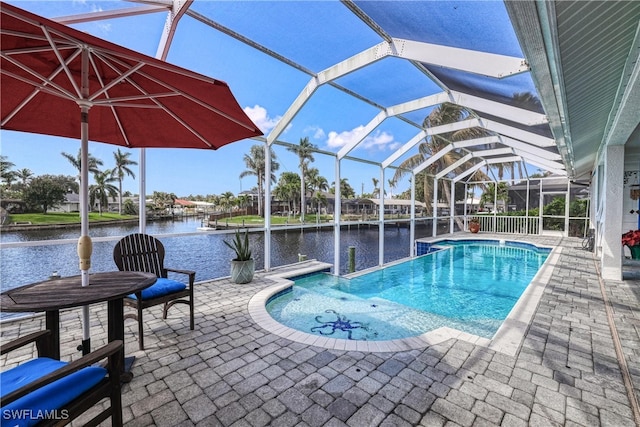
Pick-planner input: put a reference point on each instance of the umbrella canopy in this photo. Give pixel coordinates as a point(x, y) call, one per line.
point(134, 100)
point(59, 81)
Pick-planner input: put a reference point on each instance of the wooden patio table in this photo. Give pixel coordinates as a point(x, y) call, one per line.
point(51, 296)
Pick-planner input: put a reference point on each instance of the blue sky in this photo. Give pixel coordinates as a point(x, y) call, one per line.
point(263, 86)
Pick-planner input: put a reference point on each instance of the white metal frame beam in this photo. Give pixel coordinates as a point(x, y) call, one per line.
point(110, 14)
point(520, 147)
point(340, 69)
point(522, 135)
point(470, 171)
point(487, 64)
point(178, 9)
point(498, 109)
point(454, 165)
point(518, 139)
point(405, 107)
point(475, 154)
point(452, 146)
point(508, 112)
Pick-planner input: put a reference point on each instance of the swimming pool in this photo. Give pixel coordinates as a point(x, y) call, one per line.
point(467, 285)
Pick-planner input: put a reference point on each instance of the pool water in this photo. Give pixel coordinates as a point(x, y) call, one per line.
point(470, 286)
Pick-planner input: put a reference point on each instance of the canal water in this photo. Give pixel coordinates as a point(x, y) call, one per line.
point(203, 252)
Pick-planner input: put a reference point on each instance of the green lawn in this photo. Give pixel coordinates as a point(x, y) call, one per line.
point(65, 217)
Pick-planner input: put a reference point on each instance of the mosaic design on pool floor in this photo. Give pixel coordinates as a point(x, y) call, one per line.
point(344, 325)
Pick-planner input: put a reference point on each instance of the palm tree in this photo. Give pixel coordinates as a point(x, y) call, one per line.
point(255, 162)
point(102, 189)
point(6, 174)
point(392, 185)
point(288, 188)
point(243, 202)
point(488, 195)
point(346, 190)
point(215, 199)
point(77, 162)
point(24, 175)
point(227, 199)
point(376, 190)
point(162, 201)
point(443, 114)
point(304, 151)
point(528, 101)
point(122, 167)
point(318, 184)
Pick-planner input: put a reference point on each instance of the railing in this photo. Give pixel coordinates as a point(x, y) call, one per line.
point(508, 224)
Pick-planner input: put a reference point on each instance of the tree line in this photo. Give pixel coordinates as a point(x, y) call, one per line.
point(293, 188)
point(41, 193)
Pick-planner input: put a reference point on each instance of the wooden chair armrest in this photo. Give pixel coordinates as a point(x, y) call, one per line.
point(191, 274)
point(41, 338)
point(112, 351)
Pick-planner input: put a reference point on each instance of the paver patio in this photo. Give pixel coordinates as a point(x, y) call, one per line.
point(230, 371)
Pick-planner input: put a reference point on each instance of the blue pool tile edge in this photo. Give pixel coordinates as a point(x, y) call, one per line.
point(424, 247)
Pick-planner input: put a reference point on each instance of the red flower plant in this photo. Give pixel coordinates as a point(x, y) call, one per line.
point(631, 238)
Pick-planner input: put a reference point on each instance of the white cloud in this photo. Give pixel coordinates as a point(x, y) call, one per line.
point(315, 131)
point(378, 140)
point(259, 116)
point(105, 28)
point(394, 146)
point(337, 140)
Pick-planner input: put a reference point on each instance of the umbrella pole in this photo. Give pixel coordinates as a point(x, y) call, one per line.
point(84, 243)
point(142, 202)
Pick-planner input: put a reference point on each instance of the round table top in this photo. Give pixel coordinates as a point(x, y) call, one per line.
point(68, 292)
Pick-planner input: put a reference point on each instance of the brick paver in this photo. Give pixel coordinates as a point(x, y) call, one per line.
point(230, 371)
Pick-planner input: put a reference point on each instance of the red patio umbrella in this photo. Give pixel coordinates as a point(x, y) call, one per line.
point(59, 81)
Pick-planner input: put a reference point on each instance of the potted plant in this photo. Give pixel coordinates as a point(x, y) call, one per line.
point(632, 240)
point(474, 225)
point(242, 266)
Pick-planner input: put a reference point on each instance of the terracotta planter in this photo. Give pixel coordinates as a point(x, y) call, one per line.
point(242, 271)
point(474, 227)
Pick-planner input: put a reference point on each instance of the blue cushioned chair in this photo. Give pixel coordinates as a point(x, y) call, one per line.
point(45, 391)
point(141, 252)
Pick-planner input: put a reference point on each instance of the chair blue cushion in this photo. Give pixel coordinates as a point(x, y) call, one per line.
point(161, 288)
point(47, 401)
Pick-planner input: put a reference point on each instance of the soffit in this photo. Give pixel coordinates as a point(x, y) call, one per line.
point(585, 62)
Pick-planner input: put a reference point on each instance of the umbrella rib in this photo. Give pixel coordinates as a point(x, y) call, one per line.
point(160, 105)
point(63, 64)
point(115, 81)
point(32, 50)
point(44, 80)
point(175, 117)
point(114, 102)
point(172, 88)
point(202, 104)
point(53, 43)
point(33, 36)
point(38, 87)
point(113, 111)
